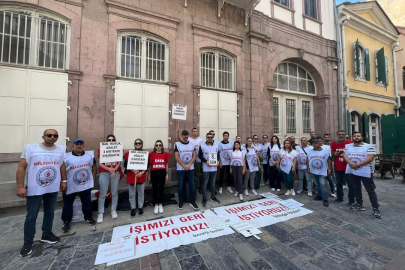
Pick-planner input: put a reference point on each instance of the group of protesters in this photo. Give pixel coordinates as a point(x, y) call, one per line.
point(45, 169)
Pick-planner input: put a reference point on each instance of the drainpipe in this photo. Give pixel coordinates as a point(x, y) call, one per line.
point(339, 89)
point(394, 65)
point(345, 85)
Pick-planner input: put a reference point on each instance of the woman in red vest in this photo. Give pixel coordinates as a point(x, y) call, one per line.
point(136, 182)
point(158, 174)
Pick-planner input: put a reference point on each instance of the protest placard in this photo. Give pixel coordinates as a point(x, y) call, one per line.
point(113, 251)
point(245, 228)
point(217, 222)
point(291, 203)
point(213, 159)
point(111, 152)
point(268, 195)
point(137, 160)
point(179, 112)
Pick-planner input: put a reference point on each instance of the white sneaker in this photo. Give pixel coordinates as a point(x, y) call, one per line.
point(220, 190)
point(345, 187)
point(288, 193)
point(230, 190)
point(292, 192)
point(160, 209)
point(273, 189)
point(254, 192)
point(278, 189)
point(100, 217)
point(333, 195)
point(156, 210)
point(241, 197)
point(246, 192)
point(299, 191)
point(310, 193)
point(236, 194)
point(114, 214)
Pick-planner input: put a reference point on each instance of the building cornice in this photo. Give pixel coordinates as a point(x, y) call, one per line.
point(372, 96)
point(200, 30)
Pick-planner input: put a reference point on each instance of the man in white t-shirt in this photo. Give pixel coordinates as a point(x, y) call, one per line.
point(45, 178)
point(197, 141)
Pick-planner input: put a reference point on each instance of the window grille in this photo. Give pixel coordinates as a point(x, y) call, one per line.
point(131, 53)
point(276, 118)
point(217, 71)
point(155, 60)
point(306, 116)
point(292, 77)
point(32, 40)
point(291, 116)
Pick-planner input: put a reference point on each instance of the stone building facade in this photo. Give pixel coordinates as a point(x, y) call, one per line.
point(197, 53)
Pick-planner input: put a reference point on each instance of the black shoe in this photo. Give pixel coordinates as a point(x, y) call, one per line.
point(66, 226)
point(350, 204)
point(194, 205)
point(215, 199)
point(26, 249)
point(357, 207)
point(140, 211)
point(91, 222)
point(338, 200)
point(50, 238)
point(325, 203)
point(376, 213)
point(133, 213)
point(317, 198)
point(180, 205)
point(204, 202)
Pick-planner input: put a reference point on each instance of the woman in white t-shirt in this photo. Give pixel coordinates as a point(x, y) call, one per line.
point(273, 153)
point(287, 162)
point(252, 166)
point(238, 168)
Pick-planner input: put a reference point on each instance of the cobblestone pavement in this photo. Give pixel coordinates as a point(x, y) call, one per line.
point(330, 238)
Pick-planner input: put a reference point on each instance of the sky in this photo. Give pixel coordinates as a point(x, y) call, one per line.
point(338, 2)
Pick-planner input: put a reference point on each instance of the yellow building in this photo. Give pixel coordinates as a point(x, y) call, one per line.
point(367, 83)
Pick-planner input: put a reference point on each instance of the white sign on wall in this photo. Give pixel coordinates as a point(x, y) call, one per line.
point(179, 112)
point(137, 160)
point(111, 152)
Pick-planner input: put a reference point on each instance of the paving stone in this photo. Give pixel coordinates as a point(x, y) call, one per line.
point(313, 243)
point(170, 263)
point(221, 246)
point(302, 248)
point(128, 265)
point(369, 262)
point(93, 238)
point(7, 257)
point(284, 249)
point(282, 235)
point(375, 255)
point(205, 250)
point(214, 263)
point(324, 262)
point(316, 232)
point(166, 254)
point(193, 263)
point(86, 251)
point(246, 252)
point(256, 244)
point(356, 230)
point(234, 261)
point(44, 264)
point(185, 251)
point(83, 263)
point(277, 260)
point(351, 265)
point(388, 243)
point(261, 265)
point(73, 240)
point(106, 237)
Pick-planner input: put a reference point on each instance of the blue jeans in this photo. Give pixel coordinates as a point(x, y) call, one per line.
point(301, 174)
point(33, 205)
point(104, 180)
point(211, 177)
point(191, 186)
point(85, 198)
point(320, 182)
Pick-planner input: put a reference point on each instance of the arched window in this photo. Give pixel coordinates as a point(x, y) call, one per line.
point(217, 70)
point(34, 38)
point(293, 77)
point(142, 56)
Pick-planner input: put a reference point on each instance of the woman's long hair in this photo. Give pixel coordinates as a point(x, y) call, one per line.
point(278, 141)
point(154, 147)
point(111, 135)
point(290, 148)
point(141, 143)
point(240, 146)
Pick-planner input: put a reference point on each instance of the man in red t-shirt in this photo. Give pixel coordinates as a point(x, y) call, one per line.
point(337, 150)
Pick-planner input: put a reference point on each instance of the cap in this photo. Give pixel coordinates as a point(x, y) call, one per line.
point(78, 141)
point(184, 132)
point(316, 140)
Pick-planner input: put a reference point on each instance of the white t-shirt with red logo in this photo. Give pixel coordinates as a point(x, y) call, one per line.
point(79, 172)
point(287, 160)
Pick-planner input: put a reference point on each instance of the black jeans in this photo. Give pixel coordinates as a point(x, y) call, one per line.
point(349, 182)
point(158, 178)
point(368, 185)
point(341, 179)
point(274, 177)
point(85, 198)
point(265, 172)
point(225, 170)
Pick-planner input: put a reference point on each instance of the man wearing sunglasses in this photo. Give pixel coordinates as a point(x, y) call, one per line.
point(46, 169)
point(197, 141)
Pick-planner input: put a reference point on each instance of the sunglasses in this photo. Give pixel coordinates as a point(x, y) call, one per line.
point(110, 140)
point(158, 145)
point(138, 143)
point(213, 134)
point(209, 137)
point(52, 135)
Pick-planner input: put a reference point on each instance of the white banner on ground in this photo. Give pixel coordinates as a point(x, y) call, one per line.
point(291, 203)
point(111, 152)
point(179, 111)
point(137, 160)
point(115, 251)
point(260, 213)
point(161, 234)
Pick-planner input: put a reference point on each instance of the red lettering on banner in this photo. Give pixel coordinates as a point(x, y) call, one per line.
point(235, 210)
point(144, 239)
